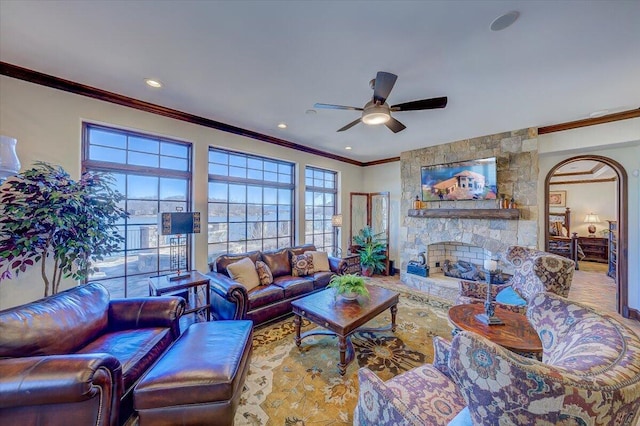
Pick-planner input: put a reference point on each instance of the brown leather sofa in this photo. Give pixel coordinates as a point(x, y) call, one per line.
point(75, 357)
point(230, 300)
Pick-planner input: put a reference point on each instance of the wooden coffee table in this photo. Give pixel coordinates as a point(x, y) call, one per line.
point(516, 334)
point(341, 317)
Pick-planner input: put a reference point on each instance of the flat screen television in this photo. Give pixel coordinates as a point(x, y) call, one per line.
point(464, 180)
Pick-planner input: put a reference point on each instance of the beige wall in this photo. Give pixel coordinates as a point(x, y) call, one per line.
point(48, 123)
point(619, 141)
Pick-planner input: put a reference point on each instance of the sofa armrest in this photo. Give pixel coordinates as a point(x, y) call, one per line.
point(142, 312)
point(337, 265)
point(229, 299)
point(69, 379)
point(386, 409)
point(441, 351)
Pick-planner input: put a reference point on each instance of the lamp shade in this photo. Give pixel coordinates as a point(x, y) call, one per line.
point(591, 218)
point(179, 223)
point(336, 220)
point(9, 162)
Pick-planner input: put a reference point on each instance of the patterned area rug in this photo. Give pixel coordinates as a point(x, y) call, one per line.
point(289, 386)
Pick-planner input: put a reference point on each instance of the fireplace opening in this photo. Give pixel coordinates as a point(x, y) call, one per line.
point(463, 261)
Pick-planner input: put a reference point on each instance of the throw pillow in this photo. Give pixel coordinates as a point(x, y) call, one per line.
point(244, 272)
point(462, 419)
point(264, 273)
point(320, 261)
point(509, 296)
point(301, 265)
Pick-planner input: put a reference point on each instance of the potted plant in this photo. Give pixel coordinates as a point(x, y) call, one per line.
point(46, 215)
point(372, 251)
point(349, 286)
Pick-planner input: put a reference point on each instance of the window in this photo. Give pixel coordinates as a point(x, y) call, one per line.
point(251, 203)
point(320, 204)
point(154, 175)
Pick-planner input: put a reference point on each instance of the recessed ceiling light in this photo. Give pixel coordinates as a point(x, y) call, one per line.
point(282, 126)
point(310, 111)
point(348, 148)
point(504, 21)
point(153, 83)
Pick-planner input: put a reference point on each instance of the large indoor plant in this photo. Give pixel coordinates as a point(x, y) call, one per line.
point(66, 225)
point(372, 251)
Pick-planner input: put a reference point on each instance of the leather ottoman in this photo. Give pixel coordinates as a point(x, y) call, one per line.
point(198, 381)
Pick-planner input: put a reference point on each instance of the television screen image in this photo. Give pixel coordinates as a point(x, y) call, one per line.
point(464, 180)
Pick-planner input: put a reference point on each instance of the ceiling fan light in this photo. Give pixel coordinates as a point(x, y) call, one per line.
point(376, 118)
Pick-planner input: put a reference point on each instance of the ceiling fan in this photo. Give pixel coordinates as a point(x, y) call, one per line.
point(378, 111)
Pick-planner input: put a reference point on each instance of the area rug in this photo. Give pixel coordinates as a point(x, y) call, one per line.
point(289, 386)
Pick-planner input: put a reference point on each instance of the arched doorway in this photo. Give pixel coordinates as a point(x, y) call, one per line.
point(622, 279)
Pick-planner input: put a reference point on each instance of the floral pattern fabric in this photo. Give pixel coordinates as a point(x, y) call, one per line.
point(264, 273)
point(535, 271)
point(590, 374)
point(301, 265)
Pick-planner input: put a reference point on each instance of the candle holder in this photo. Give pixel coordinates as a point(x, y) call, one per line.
point(488, 317)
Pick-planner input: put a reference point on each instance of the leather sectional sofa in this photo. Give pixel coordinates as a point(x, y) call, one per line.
point(231, 300)
point(75, 357)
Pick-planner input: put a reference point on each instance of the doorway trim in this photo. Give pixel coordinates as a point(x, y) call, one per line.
point(622, 273)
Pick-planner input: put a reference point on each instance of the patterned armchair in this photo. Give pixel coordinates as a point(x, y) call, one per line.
point(534, 272)
point(589, 375)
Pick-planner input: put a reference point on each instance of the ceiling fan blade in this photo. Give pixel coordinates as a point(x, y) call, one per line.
point(432, 103)
point(331, 106)
point(348, 126)
point(394, 125)
point(383, 85)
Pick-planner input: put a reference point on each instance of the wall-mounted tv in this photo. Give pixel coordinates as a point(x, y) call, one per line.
point(464, 180)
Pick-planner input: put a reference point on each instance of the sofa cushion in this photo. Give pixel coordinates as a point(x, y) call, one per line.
point(320, 261)
point(509, 296)
point(265, 295)
point(136, 349)
point(224, 260)
point(264, 273)
point(244, 272)
point(278, 262)
point(294, 286)
point(59, 324)
point(301, 265)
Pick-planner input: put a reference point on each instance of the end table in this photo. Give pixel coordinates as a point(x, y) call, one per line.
point(161, 285)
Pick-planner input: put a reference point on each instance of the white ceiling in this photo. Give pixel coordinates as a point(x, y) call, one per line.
point(254, 64)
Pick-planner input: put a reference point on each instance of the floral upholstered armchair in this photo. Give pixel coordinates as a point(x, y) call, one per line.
point(535, 271)
point(589, 375)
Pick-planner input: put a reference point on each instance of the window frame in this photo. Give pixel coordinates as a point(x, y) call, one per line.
point(310, 238)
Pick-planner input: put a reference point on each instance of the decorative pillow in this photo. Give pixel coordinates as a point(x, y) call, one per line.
point(244, 272)
point(301, 265)
point(564, 232)
point(462, 419)
point(320, 261)
point(264, 273)
point(509, 296)
point(277, 261)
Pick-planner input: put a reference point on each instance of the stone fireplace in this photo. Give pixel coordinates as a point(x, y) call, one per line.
point(469, 230)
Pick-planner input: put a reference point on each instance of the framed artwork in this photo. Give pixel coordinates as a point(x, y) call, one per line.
point(557, 198)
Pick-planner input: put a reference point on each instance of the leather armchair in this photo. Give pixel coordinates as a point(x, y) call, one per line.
point(535, 271)
point(77, 355)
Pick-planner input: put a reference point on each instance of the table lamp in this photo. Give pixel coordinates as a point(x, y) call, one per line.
point(591, 218)
point(179, 224)
point(488, 317)
point(336, 222)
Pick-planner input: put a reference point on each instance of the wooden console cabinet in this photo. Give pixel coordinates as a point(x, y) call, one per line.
point(595, 249)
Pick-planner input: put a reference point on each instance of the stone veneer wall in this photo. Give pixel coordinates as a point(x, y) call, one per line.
point(516, 153)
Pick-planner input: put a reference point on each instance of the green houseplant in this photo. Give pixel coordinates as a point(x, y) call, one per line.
point(372, 251)
point(349, 286)
point(46, 215)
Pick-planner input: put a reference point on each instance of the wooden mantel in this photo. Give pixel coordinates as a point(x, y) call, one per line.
point(506, 214)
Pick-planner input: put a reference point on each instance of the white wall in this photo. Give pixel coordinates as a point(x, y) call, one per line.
point(584, 198)
point(386, 177)
point(619, 141)
point(48, 125)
